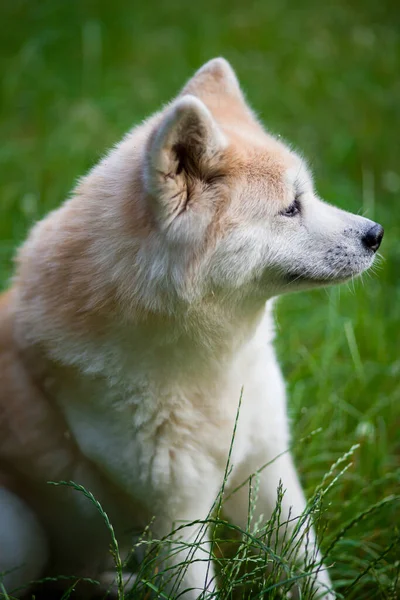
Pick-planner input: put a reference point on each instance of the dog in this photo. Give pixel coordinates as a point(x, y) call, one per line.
point(139, 314)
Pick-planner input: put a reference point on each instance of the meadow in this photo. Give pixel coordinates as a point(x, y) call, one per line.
point(76, 75)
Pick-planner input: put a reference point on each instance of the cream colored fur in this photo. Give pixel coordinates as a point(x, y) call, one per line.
point(139, 311)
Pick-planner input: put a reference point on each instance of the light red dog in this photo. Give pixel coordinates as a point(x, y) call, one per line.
point(137, 314)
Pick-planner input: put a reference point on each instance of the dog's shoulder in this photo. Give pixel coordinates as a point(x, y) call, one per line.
point(32, 432)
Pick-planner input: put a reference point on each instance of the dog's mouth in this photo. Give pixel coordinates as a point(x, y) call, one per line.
point(296, 277)
point(332, 272)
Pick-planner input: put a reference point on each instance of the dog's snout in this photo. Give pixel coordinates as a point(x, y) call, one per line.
point(373, 237)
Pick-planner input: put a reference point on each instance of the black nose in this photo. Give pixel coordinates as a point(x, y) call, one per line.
point(372, 239)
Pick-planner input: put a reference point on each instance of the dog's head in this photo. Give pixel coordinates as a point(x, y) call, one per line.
point(236, 207)
point(198, 202)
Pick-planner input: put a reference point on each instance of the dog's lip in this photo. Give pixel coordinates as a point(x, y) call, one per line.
point(293, 277)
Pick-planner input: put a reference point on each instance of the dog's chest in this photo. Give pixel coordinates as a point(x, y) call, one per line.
point(148, 436)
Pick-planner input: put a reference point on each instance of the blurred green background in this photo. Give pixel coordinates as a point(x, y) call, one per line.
point(326, 76)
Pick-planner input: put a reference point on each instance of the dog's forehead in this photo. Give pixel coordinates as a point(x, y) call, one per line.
point(265, 160)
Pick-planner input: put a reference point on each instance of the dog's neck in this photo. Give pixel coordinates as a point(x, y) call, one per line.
point(198, 342)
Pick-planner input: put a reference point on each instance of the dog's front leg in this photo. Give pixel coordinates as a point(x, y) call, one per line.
point(185, 564)
point(178, 562)
point(291, 522)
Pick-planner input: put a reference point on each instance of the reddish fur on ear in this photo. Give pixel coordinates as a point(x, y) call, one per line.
point(217, 85)
point(215, 77)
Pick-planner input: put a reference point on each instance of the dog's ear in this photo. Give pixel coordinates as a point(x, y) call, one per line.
point(182, 149)
point(215, 78)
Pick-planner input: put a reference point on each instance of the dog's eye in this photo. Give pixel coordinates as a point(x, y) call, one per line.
point(292, 210)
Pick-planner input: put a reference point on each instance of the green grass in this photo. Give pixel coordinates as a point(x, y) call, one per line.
point(75, 75)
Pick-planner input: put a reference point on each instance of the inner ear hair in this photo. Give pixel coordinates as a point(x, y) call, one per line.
point(188, 160)
point(191, 164)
